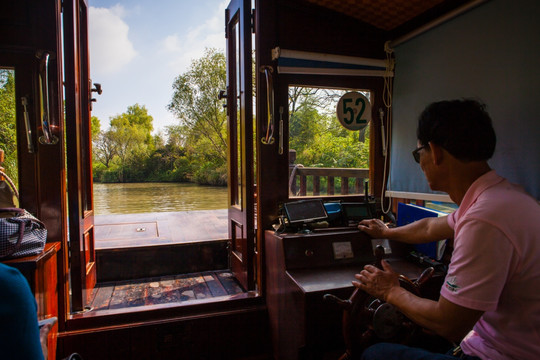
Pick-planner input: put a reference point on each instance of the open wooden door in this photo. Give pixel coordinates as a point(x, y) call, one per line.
point(30, 47)
point(79, 152)
point(240, 138)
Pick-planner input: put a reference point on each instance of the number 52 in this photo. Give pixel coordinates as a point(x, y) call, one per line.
point(350, 110)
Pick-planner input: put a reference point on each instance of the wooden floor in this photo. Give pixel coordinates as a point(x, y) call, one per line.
point(123, 234)
point(133, 230)
point(164, 290)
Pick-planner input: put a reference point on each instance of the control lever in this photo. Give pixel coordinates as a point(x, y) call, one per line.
point(367, 319)
point(357, 293)
point(379, 255)
point(425, 276)
point(423, 260)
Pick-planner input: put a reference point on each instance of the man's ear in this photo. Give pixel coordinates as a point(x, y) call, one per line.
point(437, 153)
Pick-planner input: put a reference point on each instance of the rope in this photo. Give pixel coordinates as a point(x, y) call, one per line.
point(387, 100)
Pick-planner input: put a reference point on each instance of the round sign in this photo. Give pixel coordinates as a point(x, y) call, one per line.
point(354, 111)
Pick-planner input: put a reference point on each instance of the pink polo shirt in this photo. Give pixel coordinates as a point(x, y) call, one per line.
point(495, 268)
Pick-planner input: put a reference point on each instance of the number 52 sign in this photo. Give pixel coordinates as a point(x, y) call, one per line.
point(354, 111)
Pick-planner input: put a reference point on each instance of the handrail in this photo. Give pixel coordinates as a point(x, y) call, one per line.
point(269, 138)
point(337, 172)
point(48, 138)
point(344, 174)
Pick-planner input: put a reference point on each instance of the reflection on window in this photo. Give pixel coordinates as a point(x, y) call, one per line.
point(8, 134)
point(324, 157)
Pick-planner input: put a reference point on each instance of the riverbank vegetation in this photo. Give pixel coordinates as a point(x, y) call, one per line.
point(195, 148)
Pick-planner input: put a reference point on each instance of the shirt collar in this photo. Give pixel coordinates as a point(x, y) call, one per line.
point(480, 185)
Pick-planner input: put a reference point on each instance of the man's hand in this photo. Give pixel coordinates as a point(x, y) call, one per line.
point(418, 232)
point(374, 228)
point(377, 282)
point(447, 319)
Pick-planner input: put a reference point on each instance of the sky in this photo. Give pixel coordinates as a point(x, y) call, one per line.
point(138, 48)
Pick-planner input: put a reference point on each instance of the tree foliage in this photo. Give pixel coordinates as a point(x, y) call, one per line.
point(125, 146)
point(95, 127)
point(202, 118)
point(128, 152)
point(195, 148)
point(8, 134)
point(316, 134)
point(104, 148)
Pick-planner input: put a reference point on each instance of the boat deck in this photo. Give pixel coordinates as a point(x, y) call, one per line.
point(164, 290)
point(141, 239)
point(167, 228)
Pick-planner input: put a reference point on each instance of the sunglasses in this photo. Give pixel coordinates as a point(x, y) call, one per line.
point(416, 153)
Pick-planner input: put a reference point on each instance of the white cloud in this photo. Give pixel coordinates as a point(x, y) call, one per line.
point(185, 48)
point(110, 47)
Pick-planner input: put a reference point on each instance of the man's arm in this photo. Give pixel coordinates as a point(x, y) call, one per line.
point(419, 232)
point(445, 318)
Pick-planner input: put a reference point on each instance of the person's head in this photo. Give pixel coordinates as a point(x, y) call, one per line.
point(461, 127)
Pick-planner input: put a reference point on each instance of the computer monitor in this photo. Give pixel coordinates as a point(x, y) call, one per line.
point(305, 211)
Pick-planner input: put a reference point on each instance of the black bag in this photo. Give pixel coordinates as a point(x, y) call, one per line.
point(21, 234)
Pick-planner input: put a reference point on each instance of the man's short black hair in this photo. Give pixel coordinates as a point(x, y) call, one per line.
point(462, 127)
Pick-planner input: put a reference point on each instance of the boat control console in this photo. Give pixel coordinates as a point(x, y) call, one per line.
point(304, 266)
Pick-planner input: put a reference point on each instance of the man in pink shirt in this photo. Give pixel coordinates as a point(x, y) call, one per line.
point(490, 300)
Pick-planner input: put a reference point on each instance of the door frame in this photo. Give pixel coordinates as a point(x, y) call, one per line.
point(241, 211)
point(79, 153)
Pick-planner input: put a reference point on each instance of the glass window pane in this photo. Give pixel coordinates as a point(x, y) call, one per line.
point(8, 133)
point(325, 158)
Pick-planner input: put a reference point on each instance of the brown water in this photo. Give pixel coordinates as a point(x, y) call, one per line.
point(135, 198)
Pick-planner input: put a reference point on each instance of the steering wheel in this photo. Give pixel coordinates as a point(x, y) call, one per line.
point(368, 320)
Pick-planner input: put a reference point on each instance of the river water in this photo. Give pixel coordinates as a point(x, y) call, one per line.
point(135, 198)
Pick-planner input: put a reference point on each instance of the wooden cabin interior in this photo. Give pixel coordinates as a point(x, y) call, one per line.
point(269, 285)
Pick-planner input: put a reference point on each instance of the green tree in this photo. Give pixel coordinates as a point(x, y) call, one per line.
point(104, 148)
point(95, 127)
point(202, 118)
point(341, 151)
point(175, 136)
point(131, 134)
point(168, 163)
point(136, 116)
point(316, 134)
point(8, 134)
point(121, 152)
point(313, 98)
point(305, 124)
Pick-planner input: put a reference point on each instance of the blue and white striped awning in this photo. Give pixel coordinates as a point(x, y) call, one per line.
point(303, 62)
